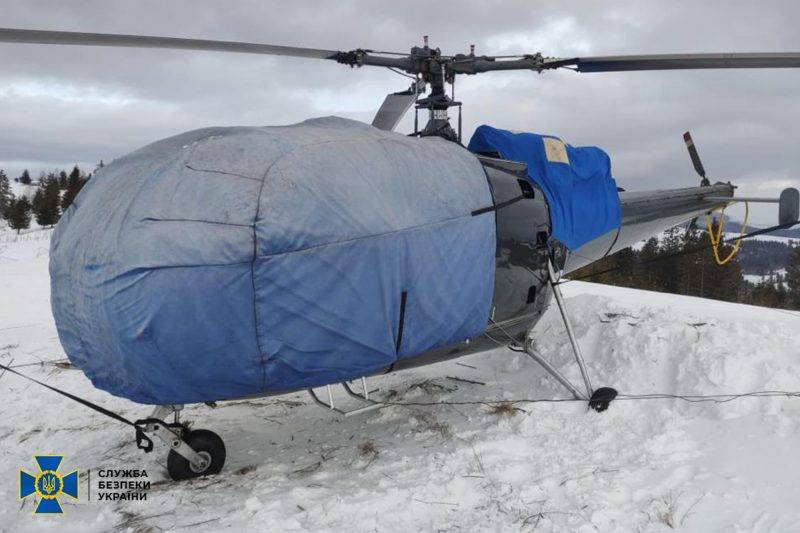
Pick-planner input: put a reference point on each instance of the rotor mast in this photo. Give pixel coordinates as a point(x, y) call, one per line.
point(430, 68)
point(435, 73)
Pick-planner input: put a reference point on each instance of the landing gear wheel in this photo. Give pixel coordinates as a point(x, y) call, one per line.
point(601, 398)
point(208, 445)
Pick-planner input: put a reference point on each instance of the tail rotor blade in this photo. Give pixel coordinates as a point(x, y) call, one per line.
point(698, 165)
point(695, 157)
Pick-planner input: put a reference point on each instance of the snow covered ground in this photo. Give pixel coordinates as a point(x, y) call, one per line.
point(641, 466)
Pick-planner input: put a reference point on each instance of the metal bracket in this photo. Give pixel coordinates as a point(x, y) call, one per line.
point(788, 204)
point(171, 434)
point(599, 399)
point(533, 354)
point(568, 325)
point(354, 58)
point(163, 411)
point(371, 405)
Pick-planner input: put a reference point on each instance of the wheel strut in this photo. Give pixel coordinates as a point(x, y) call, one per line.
point(599, 399)
point(192, 453)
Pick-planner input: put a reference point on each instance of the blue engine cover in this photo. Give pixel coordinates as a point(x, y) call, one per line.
point(228, 262)
point(581, 193)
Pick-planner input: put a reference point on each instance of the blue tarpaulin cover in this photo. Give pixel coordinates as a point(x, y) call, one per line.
point(228, 262)
point(581, 193)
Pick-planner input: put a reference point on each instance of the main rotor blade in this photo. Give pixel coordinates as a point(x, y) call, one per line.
point(9, 35)
point(678, 62)
point(475, 65)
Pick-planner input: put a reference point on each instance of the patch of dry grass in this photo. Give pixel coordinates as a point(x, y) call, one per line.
point(505, 410)
point(429, 422)
point(368, 448)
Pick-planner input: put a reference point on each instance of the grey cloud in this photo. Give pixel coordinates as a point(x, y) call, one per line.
point(65, 105)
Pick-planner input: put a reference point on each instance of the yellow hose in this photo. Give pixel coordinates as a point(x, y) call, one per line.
point(716, 239)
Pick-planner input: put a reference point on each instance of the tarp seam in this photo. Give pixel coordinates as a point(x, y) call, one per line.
point(261, 353)
point(253, 273)
point(194, 265)
point(153, 219)
point(220, 172)
point(371, 236)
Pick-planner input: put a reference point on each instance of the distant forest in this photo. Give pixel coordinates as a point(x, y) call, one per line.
point(762, 258)
point(663, 265)
point(54, 193)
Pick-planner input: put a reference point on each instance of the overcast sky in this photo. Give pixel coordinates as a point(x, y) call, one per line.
point(62, 105)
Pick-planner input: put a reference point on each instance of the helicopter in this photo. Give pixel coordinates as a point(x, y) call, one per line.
point(228, 263)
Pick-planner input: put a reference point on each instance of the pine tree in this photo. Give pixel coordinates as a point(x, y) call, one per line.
point(52, 198)
point(624, 263)
point(75, 174)
point(25, 179)
point(649, 278)
point(6, 196)
point(37, 206)
point(692, 269)
point(793, 280)
point(62, 180)
point(75, 183)
point(669, 269)
point(47, 201)
point(783, 294)
point(19, 214)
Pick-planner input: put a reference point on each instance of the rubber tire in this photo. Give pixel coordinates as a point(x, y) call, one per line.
point(602, 398)
point(201, 440)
